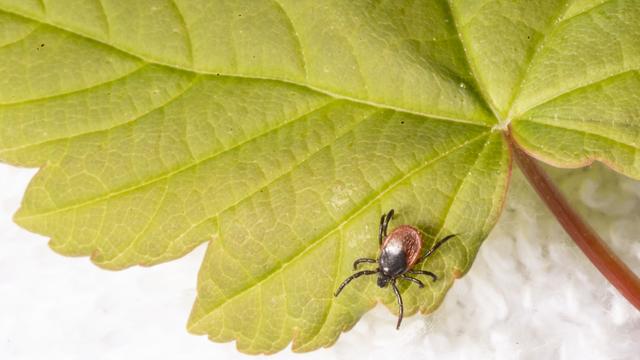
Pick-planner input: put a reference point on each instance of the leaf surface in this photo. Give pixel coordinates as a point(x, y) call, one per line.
point(280, 131)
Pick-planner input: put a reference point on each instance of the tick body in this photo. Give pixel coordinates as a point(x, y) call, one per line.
point(399, 253)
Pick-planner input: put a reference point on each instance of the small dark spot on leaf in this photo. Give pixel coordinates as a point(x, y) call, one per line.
point(402, 122)
point(42, 45)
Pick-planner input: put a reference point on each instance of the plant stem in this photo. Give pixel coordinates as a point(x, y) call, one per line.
point(605, 260)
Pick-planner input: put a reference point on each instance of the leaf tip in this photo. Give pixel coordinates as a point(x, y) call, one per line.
point(19, 217)
point(98, 259)
point(194, 325)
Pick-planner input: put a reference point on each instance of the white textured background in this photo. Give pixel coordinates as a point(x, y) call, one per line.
point(531, 294)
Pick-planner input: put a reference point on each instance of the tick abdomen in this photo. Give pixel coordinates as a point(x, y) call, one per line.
point(400, 250)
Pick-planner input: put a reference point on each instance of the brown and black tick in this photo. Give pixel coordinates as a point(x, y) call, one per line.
point(399, 253)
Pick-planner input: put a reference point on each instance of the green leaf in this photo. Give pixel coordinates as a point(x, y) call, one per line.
point(570, 113)
point(280, 131)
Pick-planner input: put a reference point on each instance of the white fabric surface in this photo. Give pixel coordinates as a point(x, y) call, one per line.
point(531, 294)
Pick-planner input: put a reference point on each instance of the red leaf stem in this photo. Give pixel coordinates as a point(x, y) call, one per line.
point(605, 260)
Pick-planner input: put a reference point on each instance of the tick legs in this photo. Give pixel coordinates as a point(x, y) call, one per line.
point(407, 277)
point(423, 272)
point(354, 276)
point(435, 247)
point(384, 223)
point(395, 290)
point(362, 260)
point(381, 231)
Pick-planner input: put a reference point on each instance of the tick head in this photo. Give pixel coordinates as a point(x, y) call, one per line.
point(383, 280)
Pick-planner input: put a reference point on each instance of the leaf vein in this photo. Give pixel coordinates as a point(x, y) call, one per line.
point(295, 36)
point(470, 65)
point(581, 86)
point(586, 11)
point(171, 173)
point(91, 87)
point(74, 136)
point(459, 187)
point(22, 38)
point(187, 34)
point(144, 230)
point(539, 42)
point(634, 147)
point(105, 18)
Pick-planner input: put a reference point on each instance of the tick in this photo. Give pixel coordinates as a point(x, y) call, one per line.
point(399, 253)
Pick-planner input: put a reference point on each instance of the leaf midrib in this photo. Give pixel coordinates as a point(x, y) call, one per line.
point(250, 77)
point(338, 226)
point(440, 228)
point(484, 96)
point(634, 147)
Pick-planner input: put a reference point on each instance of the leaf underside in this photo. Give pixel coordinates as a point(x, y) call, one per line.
point(280, 131)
